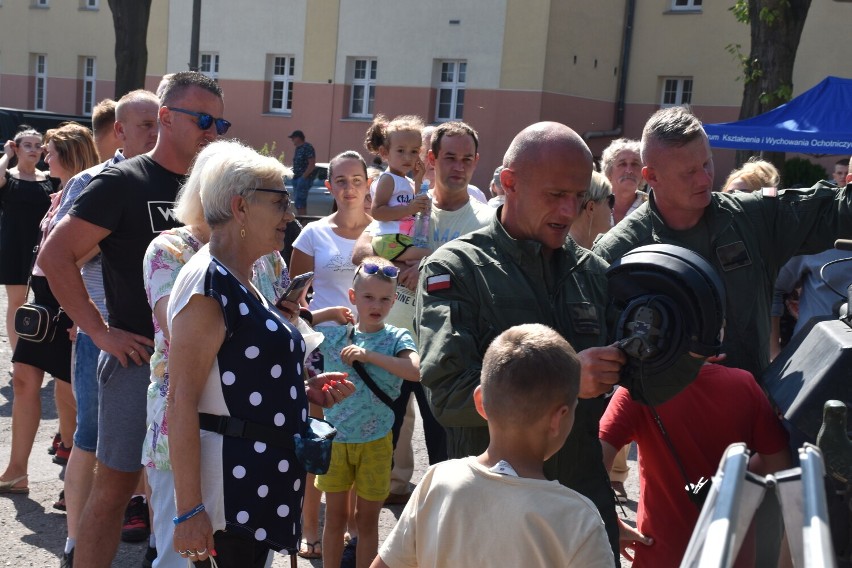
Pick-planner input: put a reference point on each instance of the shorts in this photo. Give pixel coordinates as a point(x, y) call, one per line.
point(301, 187)
point(122, 406)
point(366, 464)
point(53, 357)
point(85, 385)
point(391, 246)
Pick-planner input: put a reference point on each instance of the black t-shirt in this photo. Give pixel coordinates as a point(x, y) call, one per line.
point(133, 199)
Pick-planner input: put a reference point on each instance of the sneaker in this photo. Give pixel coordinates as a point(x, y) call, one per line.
point(136, 527)
point(62, 454)
point(150, 556)
point(67, 559)
point(54, 444)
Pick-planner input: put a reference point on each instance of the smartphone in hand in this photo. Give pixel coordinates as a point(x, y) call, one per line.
point(297, 286)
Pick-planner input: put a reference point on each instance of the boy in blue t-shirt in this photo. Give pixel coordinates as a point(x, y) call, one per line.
point(362, 451)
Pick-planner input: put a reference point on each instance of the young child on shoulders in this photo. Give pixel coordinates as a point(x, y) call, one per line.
point(498, 509)
point(395, 196)
point(362, 451)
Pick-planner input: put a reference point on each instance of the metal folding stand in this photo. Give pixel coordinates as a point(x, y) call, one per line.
point(737, 493)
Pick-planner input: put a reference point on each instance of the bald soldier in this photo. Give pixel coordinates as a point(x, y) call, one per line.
point(523, 268)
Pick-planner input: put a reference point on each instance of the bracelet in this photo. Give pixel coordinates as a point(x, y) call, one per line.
point(186, 516)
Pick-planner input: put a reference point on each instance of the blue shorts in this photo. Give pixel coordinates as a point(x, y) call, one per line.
point(86, 392)
point(301, 187)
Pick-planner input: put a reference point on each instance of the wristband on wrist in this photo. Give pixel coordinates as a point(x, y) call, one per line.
point(186, 516)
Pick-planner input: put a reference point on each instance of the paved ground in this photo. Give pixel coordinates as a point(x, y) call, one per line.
point(32, 533)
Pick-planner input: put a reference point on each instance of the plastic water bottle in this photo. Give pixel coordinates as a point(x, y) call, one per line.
point(421, 222)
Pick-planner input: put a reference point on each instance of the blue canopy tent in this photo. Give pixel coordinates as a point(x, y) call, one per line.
point(819, 121)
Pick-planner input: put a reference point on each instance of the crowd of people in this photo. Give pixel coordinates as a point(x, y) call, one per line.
point(181, 350)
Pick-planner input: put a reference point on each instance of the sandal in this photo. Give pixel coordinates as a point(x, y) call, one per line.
point(9, 486)
point(309, 550)
point(59, 505)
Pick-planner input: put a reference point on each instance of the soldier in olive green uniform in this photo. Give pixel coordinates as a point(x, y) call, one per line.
point(746, 236)
point(521, 269)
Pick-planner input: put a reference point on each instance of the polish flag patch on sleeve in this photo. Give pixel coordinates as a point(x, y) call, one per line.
point(439, 282)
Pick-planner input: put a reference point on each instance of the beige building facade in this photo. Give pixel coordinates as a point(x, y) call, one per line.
point(328, 66)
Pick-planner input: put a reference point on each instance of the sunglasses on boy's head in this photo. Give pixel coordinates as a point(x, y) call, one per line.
point(386, 271)
point(205, 120)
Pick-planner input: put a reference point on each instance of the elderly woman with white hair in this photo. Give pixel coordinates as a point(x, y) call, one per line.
point(165, 256)
point(595, 215)
point(235, 359)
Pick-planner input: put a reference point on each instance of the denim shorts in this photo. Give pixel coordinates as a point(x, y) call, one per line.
point(86, 392)
point(122, 396)
point(301, 187)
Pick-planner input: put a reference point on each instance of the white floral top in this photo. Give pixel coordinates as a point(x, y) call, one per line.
point(165, 256)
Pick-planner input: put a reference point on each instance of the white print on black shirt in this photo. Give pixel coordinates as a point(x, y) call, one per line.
point(162, 216)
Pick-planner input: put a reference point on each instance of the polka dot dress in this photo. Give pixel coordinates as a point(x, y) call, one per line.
point(260, 365)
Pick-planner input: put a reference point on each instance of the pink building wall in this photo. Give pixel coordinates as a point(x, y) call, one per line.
point(321, 111)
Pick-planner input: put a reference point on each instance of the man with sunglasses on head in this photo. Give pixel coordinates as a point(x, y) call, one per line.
point(120, 212)
point(523, 268)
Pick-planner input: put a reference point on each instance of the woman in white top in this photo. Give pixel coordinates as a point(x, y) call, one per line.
point(325, 247)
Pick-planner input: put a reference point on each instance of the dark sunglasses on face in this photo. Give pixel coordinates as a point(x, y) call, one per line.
point(387, 271)
point(284, 204)
point(205, 120)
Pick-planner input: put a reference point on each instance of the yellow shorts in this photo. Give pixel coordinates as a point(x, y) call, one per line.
point(366, 464)
point(391, 246)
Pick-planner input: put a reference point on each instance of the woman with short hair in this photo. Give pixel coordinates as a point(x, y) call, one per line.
point(234, 359)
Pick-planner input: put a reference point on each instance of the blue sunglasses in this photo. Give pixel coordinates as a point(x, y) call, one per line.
point(390, 272)
point(205, 120)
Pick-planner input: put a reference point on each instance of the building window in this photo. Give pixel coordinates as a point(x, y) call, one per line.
point(40, 99)
point(281, 84)
point(363, 88)
point(89, 4)
point(450, 104)
point(209, 65)
point(89, 73)
point(40, 3)
point(676, 92)
point(692, 5)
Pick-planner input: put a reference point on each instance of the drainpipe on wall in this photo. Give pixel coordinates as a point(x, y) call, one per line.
point(196, 33)
point(626, 42)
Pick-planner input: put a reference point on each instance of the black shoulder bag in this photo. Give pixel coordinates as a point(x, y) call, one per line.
point(365, 376)
point(36, 322)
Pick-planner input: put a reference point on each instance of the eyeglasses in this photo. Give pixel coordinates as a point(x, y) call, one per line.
point(610, 201)
point(387, 271)
point(284, 204)
point(205, 120)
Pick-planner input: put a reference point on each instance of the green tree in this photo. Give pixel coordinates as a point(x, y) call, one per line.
point(776, 28)
point(130, 22)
